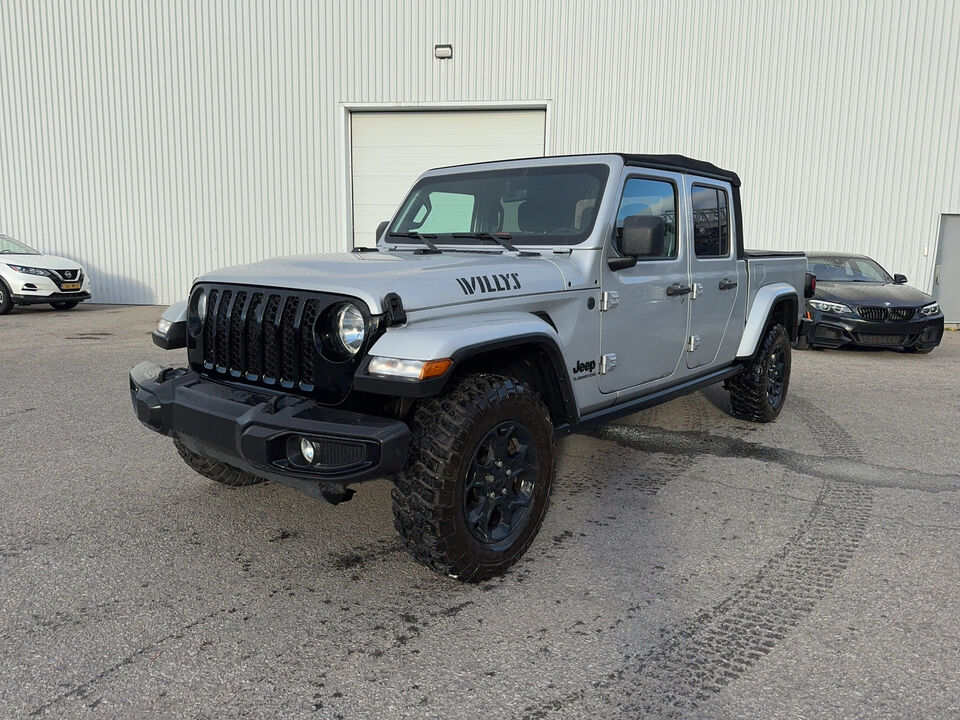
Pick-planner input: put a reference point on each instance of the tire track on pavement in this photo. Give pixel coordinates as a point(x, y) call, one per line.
point(694, 660)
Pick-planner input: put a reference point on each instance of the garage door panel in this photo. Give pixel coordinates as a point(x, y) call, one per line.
point(390, 150)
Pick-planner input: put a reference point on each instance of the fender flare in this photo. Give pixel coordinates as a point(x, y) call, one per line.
point(460, 339)
point(766, 298)
point(176, 335)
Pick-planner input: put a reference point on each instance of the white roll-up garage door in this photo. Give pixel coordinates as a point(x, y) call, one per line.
point(389, 150)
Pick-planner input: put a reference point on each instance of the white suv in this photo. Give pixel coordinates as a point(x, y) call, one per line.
point(28, 277)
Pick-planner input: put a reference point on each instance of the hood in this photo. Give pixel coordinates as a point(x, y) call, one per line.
point(46, 262)
point(879, 294)
point(421, 281)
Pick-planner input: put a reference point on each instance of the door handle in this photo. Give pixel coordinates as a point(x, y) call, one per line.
point(678, 289)
point(726, 284)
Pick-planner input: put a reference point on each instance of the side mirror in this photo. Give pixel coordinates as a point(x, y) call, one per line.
point(642, 237)
point(380, 230)
point(899, 279)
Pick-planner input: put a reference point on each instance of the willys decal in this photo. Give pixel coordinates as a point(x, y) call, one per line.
point(489, 283)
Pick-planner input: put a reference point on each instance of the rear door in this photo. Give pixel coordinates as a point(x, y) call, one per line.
point(642, 327)
point(717, 281)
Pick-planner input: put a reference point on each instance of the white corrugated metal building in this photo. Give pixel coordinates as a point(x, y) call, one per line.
point(156, 140)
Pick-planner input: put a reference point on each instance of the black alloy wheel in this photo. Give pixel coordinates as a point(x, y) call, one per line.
point(498, 491)
point(776, 373)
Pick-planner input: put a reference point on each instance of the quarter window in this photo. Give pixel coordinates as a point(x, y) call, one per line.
point(643, 196)
point(711, 222)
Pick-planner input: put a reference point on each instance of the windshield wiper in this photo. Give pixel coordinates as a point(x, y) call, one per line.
point(502, 239)
point(424, 238)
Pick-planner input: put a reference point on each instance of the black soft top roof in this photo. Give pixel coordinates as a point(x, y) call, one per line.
point(682, 163)
point(676, 163)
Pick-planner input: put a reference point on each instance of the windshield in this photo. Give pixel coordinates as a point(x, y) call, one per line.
point(528, 206)
point(9, 246)
point(846, 269)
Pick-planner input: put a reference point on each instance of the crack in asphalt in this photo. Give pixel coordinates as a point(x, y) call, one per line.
point(81, 690)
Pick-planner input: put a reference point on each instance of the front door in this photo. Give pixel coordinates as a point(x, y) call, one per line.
point(946, 276)
point(643, 327)
point(713, 271)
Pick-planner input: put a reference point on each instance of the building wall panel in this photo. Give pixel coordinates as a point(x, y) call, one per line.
point(155, 141)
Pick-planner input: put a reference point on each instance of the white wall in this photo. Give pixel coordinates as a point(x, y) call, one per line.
point(156, 140)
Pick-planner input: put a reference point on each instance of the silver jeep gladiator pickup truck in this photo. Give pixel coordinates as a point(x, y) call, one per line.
point(506, 304)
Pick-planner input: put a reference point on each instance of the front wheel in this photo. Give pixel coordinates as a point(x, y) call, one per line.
point(65, 304)
point(475, 491)
point(6, 302)
point(216, 471)
point(919, 350)
point(758, 392)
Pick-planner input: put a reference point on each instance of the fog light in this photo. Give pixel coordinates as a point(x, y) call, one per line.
point(306, 449)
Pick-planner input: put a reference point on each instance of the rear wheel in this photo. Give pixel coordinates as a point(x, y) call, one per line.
point(475, 491)
point(65, 304)
point(216, 471)
point(757, 393)
point(6, 303)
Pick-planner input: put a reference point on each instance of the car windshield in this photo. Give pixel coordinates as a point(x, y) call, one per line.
point(846, 269)
point(527, 206)
point(9, 246)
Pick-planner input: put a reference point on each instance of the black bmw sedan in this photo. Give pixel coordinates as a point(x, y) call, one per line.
point(857, 302)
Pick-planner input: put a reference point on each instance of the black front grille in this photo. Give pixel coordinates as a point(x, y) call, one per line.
point(880, 314)
point(876, 314)
point(273, 338)
point(901, 314)
point(59, 277)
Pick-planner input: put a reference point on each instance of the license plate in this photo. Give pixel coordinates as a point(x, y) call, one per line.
point(71, 286)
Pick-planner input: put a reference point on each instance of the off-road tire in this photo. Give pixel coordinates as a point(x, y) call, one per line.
point(6, 302)
point(428, 496)
point(216, 471)
point(749, 396)
point(65, 304)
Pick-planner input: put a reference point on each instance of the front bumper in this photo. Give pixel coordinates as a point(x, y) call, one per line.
point(258, 431)
point(826, 330)
point(33, 289)
point(32, 299)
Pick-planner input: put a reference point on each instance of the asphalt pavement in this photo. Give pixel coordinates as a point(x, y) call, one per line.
point(691, 565)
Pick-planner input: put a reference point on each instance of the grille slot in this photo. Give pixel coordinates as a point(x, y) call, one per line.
point(267, 337)
point(876, 314)
point(901, 314)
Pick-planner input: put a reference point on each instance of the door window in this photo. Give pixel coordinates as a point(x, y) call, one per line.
point(643, 196)
point(711, 222)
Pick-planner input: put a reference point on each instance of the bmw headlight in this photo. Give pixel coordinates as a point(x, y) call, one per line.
point(349, 328)
point(28, 270)
point(931, 309)
point(829, 307)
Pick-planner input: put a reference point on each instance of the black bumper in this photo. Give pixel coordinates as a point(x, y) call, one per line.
point(826, 330)
point(51, 298)
point(260, 431)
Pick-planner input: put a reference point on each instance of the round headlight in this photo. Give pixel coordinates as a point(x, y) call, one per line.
point(350, 328)
point(202, 305)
